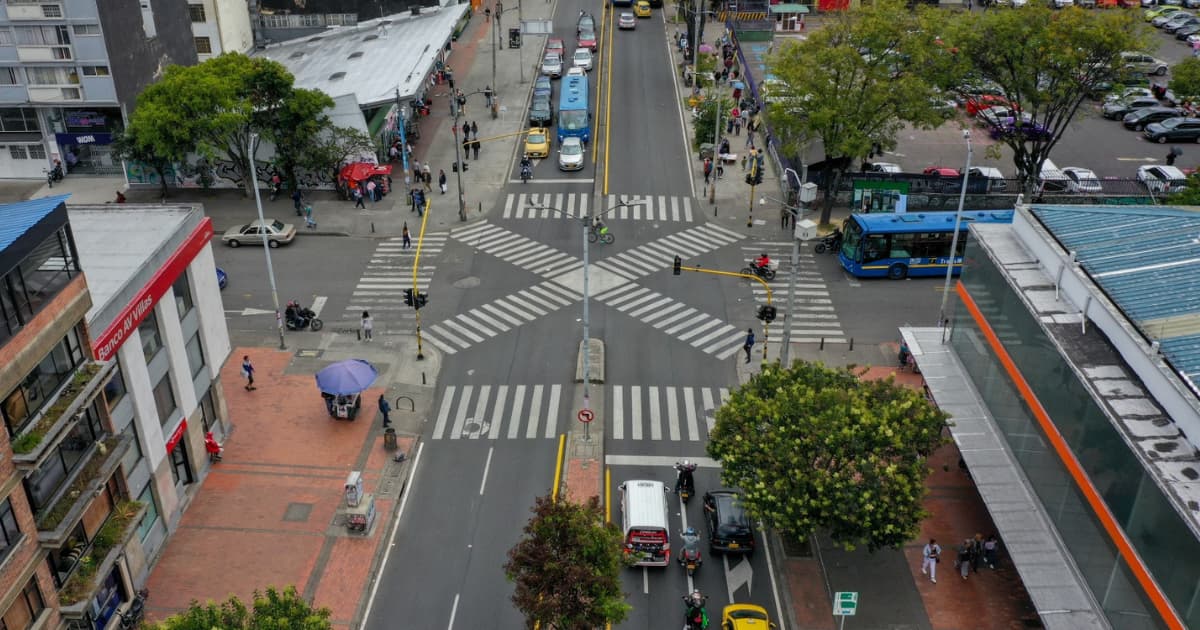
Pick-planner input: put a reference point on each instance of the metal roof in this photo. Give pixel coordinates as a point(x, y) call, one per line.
point(17, 218)
point(1147, 260)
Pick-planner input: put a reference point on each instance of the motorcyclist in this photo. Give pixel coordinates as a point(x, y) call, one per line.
point(292, 313)
point(763, 262)
point(684, 478)
point(526, 162)
point(691, 544)
point(695, 616)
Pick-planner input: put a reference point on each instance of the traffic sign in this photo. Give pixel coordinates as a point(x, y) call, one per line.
point(586, 415)
point(845, 603)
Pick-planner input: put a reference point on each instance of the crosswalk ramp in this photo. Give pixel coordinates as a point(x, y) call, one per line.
point(815, 318)
point(380, 288)
point(472, 412)
point(638, 412)
point(660, 254)
point(499, 316)
point(675, 208)
point(704, 332)
point(516, 249)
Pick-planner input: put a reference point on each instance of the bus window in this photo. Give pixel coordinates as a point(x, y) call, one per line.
point(851, 238)
point(902, 245)
point(875, 247)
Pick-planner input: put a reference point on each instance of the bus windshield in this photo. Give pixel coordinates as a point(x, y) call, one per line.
point(852, 236)
point(573, 120)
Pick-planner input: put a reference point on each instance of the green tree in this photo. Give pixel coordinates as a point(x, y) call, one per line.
point(704, 124)
point(814, 447)
point(567, 567)
point(1185, 80)
point(273, 610)
point(853, 85)
point(297, 127)
point(155, 151)
point(1064, 56)
point(324, 153)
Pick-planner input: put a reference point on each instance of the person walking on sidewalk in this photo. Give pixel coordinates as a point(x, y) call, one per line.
point(707, 170)
point(367, 326)
point(358, 198)
point(963, 560)
point(749, 343)
point(425, 169)
point(404, 234)
point(385, 409)
point(976, 552)
point(487, 14)
point(475, 144)
point(929, 560)
point(442, 180)
point(297, 196)
point(309, 222)
point(785, 217)
point(474, 130)
point(990, 547)
point(248, 373)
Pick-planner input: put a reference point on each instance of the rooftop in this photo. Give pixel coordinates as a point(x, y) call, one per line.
point(17, 218)
point(373, 59)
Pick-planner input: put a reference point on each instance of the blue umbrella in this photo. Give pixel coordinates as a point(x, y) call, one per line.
point(738, 85)
point(346, 377)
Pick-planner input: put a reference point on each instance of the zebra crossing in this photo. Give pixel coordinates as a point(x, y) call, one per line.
point(705, 332)
point(659, 254)
point(576, 205)
point(815, 318)
point(380, 289)
point(516, 249)
point(639, 412)
point(513, 412)
point(499, 316)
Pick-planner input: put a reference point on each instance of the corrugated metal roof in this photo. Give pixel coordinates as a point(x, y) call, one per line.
point(1147, 260)
point(17, 218)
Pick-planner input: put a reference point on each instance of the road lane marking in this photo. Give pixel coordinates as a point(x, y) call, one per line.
point(487, 465)
point(498, 412)
point(412, 484)
point(439, 429)
point(672, 415)
point(535, 410)
point(461, 417)
point(618, 417)
point(771, 573)
point(656, 460)
point(655, 416)
point(453, 612)
point(518, 405)
point(318, 304)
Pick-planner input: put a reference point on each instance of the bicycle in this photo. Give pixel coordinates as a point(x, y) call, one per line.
point(602, 235)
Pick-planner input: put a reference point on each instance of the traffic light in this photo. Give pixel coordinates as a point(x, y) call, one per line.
point(408, 297)
point(766, 313)
point(678, 265)
point(422, 299)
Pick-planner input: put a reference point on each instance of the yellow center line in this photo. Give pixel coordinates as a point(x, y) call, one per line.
point(608, 99)
point(599, 82)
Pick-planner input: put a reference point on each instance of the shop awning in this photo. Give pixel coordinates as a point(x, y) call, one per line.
point(789, 8)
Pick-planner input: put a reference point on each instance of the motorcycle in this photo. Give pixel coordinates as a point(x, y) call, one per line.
point(689, 556)
point(526, 173)
point(830, 243)
point(685, 485)
point(132, 618)
point(300, 317)
point(276, 188)
point(766, 273)
point(695, 617)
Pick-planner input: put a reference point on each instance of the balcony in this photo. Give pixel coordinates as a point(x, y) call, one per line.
point(107, 545)
point(85, 483)
point(68, 403)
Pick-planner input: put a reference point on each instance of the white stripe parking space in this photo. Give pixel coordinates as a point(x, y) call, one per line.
point(493, 412)
point(498, 316)
point(704, 332)
point(676, 414)
point(518, 250)
point(661, 208)
point(380, 288)
point(815, 318)
point(660, 253)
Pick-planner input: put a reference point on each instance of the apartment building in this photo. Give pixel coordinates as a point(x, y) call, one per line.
point(220, 26)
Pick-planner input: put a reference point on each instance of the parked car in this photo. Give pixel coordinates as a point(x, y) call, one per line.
point(942, 171)
point(1139, 118)
point(586, 22)
point(570, 154)
point(1028, 130)
point(1179, 129)
point(884, 167)
point(222, 278)
point(1130, 92)
point(626, 20)
point(994, 116)
point(1147, 64)
point(1184, 32)
point(1161, 179)
point(974, 103)
point(582, 58)
point(552, 65)
point(1053, 179)
point(276, 232)
point(537, 143)
point(1062, 4)
point(1116, 110)
point(587, 39)
point(729, 526)
point(555, 45)
point(540, 113)
point(1165, 21)
point(1082, 180)
point(541, 85)
point(1152, 13)
point(1173, 26)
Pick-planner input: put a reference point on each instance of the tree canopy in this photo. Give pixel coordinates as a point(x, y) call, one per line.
point(1185, 80)
point(567, 567)
point(272, 610)
point(814, 447)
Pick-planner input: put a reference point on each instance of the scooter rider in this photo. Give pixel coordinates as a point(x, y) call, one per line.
point(695, 616)
point(763, 261)
point(691, 544)
point(684, 478)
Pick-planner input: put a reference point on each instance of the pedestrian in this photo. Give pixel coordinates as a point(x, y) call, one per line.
point(1175, 152)
point(462, 102)
point(371, 191)
point(466, 147)
point(976, 552)
point(990, 546)
point(707, 169)
point(737, 126)
point(309, 222)
point(488, 95)
point(296, 197)
point(745, 158)
point(442, 180)
point(475, 144)
point(427, 180)
point(213, 447)
point(449, 74)
point(419, 202)
point(367, 326)
point(749, 137)
point(749, 343)
point(358, 198)
point(385, 409)
point(487, 14)
point(405, 236)
point(474, 129)
point(929, 560)
point(785, 217)
point(248, 373)
point(963, 560)
point(466, 130)
point(394, 153)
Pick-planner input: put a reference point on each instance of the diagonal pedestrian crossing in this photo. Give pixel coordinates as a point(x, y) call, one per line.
point(676, 414)
point(815, 318)
point(380, 288)
point(493, 412)
point(661, 208)
point(704, 332)
point(516, 249)
point(499, 316)
point(659, 254)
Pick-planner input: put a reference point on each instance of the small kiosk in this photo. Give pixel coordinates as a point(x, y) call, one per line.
point(360, 506)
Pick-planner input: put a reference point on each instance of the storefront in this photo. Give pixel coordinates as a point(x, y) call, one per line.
point(84, 138)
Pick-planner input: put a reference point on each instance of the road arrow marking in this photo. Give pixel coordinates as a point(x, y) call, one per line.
point(250, 311)
point(741, 573)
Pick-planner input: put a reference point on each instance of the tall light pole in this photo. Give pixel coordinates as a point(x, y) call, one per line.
point(802, 230)
point(460, 164)
point(962, 198)
point(251, 147)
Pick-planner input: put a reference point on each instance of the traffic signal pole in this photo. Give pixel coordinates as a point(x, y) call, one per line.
point(416, 266)
point(766, 325)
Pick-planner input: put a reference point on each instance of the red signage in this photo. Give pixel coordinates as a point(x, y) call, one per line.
point(106, 344)
point(177, 435)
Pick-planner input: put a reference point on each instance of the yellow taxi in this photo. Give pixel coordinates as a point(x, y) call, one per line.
point(642, 8)
point(537, 143)
point(745, 617)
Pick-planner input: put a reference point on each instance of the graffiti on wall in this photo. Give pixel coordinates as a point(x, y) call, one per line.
point(198, 172)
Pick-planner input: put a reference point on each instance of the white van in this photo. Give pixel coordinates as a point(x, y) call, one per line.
point(644, 521)
point(1052, 179)
point(994, 177)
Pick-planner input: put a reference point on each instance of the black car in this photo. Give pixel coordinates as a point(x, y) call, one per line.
point(1179, 129)
point(1183, 33)
point(729, 527)
point(1175, 26)
point(1139, 118)
point(540, 112)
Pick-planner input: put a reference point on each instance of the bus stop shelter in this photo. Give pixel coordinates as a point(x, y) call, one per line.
point(789, 17)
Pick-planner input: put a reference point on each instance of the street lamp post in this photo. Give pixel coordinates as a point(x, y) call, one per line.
point(802, 230)
point(962, 198)
point(460, 165)
point(251, 147)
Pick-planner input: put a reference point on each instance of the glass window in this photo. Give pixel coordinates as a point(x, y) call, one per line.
point(8, 76)
point(181, 468)
point(64, 559)
point(6, 37)
point(43, 483)
point(17, 152)
point(114, 389)
point(196, 11)
point(195, 354)
point(21, 404)
point(37, 152)
point(183, 295)
point(134, 454)
point(203, 46)
point(147, 498)
point(95, 71)
point(86, 29)
point(18, 119)
point(151, 340)
point(48, 268)
point(51, 11)
point(43, 36)
point(25, 609)
point(10, 530)
point(208, 411)
point(164, 398)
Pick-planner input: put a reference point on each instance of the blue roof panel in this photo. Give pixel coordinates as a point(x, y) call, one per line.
point(17, 218)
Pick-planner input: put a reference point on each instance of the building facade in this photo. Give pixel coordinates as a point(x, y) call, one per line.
point(220, 26)
point(70, 72)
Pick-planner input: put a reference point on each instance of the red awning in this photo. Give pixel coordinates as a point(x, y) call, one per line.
point(361, 171)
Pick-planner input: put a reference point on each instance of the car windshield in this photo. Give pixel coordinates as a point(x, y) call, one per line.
point(582, 54)
point(747, 614)
point(588, 35)
point(732, 515)
point(550, 60)
point(573, 120)
point(277, 226)
point(537, 138)
point(572, 148)
point(1171, 123)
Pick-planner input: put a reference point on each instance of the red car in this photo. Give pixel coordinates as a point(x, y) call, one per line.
point(942, 171)
point(555, 45)
point(587, 39)
point(976, 102)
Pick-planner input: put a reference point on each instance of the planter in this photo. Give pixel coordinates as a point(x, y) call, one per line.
point(71, 399)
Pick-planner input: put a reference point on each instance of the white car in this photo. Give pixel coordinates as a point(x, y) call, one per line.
point(1082, 180)
point(570, 154)
point(576, 72)
point(552, 66)
point(1020, 3)
point(1060, 4)
point(582, 59)
point(626, 20)
point(1133, 92)
point(1161, 179)
point(885, 167)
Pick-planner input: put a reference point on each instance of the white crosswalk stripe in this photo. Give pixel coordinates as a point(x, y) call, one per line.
point(471, 412)
point(651, 257)
point(516, 249)
point(498, 316)
point(638, 412)
point(380, 288)
point(704, 332)
point(576, 205)
point(815, 318)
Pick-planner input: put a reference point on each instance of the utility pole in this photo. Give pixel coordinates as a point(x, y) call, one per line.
point(251, 148)
point(962, 198)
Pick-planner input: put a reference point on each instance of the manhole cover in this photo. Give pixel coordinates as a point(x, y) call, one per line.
point(297, 512)
point(467, 283)
point(475, 428)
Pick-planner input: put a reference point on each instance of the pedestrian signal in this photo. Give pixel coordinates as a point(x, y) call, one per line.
point(678, 265)
point(408, 298)
point(422, 299)
point(766, 313)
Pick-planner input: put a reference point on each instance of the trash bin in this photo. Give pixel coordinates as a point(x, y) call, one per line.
point(389, 439)
point(514, 38)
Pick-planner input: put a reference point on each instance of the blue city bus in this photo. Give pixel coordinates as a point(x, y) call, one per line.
point(574, 119)
point(898, 245)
